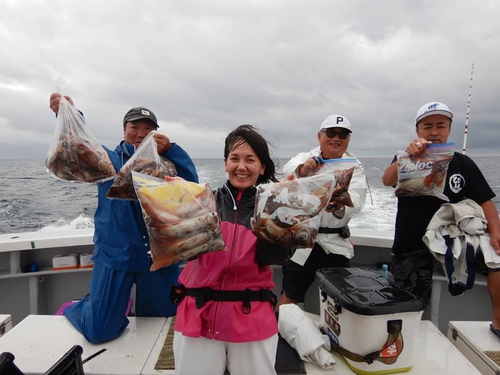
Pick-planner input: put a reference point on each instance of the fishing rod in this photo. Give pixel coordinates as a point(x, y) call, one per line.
point(468, 110)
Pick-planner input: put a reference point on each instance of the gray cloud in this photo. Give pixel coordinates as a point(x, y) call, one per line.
point(206, 67)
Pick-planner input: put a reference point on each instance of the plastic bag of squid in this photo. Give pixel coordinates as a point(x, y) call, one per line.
point(342, 170)
point(146, 161)
point(289, 212)
point(181, 218)
point(75, 154)
point(424, 174)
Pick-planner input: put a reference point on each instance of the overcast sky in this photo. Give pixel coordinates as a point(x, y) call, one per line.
point(205, 67)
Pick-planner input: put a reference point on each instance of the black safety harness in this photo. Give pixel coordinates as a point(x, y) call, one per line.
point(203, 295)
point(343, 232)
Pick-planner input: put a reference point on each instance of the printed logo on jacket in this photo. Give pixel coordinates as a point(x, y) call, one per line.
point(457, 182)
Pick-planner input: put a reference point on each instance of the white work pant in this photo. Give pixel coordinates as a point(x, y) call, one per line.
point(198, 356)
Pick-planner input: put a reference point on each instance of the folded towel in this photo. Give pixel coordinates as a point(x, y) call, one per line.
point(303, 334)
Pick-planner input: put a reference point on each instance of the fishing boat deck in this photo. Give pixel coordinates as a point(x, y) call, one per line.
point(40, 340)
point(478, 344)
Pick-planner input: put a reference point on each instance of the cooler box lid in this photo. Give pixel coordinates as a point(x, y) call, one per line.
point(366, 292)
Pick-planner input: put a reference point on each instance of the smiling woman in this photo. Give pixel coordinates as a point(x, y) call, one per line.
point(243, 167)
point(226, 304)
point(258, 151)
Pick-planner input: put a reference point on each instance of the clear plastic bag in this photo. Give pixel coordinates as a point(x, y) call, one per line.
point(75, 154)
point(181, 218)
point(288, 212)
point(145, 160)
point(343, 170)
point(424, 174)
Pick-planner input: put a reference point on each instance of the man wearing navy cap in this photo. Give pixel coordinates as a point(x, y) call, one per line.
point(121, 240)
point(333, 247)
point(412, 262)
point(138, 122)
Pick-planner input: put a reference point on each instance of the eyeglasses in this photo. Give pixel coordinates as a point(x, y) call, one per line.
point(330, 133)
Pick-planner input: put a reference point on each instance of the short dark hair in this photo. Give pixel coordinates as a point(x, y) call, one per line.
point(149, 121)
point(249, 135)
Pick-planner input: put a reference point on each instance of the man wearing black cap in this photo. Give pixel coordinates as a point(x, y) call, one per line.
point(122, 243)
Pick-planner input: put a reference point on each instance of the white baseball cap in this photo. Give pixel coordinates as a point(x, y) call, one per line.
point(433, 108)
point(336, 121)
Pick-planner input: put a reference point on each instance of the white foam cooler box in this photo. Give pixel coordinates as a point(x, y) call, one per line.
point(371, 322)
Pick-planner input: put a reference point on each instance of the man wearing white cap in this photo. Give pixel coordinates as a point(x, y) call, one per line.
point(412, 263)
point(333, 247)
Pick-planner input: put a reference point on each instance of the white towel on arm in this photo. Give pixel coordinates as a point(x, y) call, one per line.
point(461, 227)
point(464, 222)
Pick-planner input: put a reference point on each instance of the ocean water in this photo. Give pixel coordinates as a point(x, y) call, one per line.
point(32, 200)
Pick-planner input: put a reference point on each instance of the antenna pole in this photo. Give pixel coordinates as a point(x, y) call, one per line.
point(468, 110)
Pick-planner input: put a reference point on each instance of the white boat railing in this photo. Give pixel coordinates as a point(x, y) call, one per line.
point(43, 291)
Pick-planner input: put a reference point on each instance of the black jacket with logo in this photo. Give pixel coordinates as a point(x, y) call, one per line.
point(463, 180)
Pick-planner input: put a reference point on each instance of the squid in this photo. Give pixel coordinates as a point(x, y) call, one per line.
point(123, 186)
point(76, 159)
point(426, 181)
point(181, 219)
